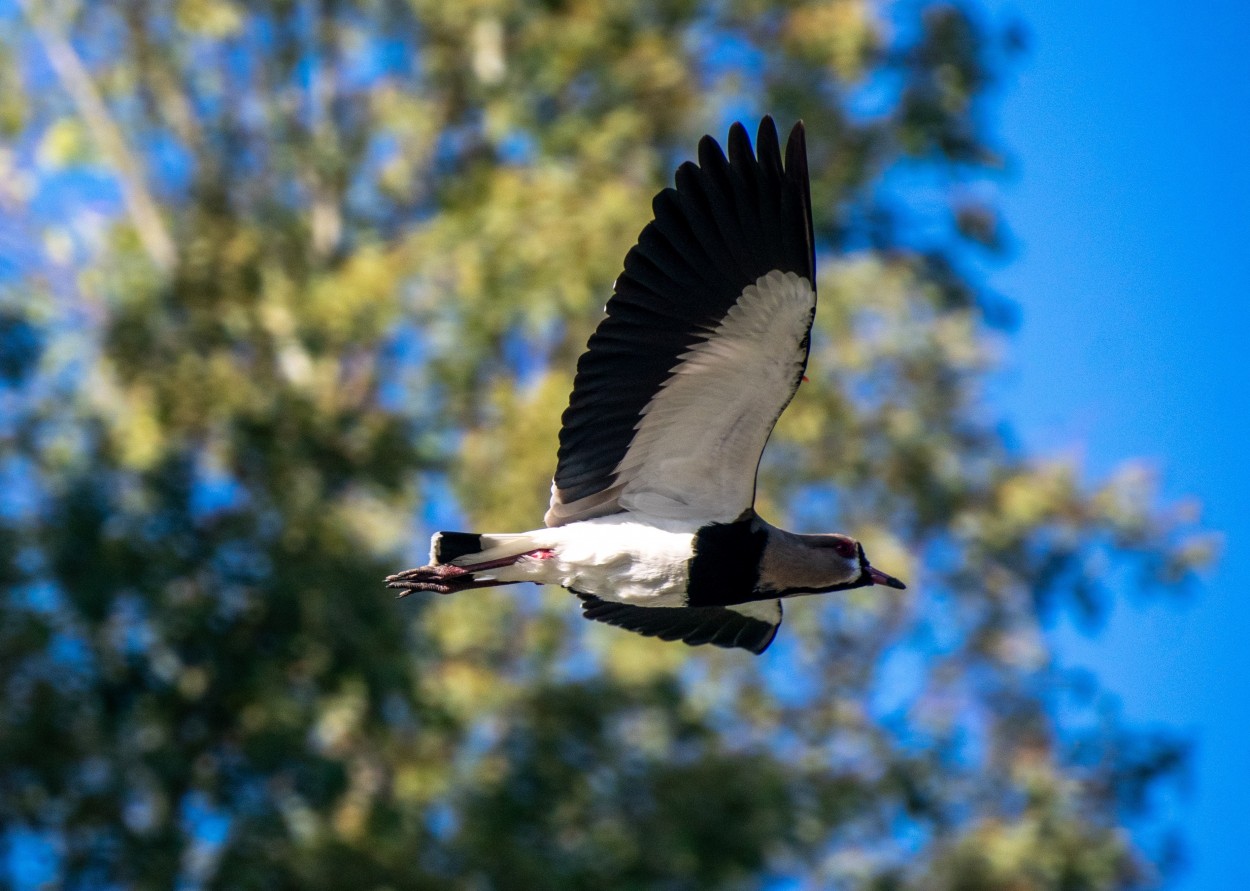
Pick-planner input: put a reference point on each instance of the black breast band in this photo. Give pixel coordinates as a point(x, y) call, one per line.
point(726, 563)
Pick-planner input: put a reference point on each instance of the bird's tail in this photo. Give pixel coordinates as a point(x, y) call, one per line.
point(472, 548)
point(463, 560)
point(447, 546)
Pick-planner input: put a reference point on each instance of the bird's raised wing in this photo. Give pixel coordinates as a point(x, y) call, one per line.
point(703, 346)
point(748, 626)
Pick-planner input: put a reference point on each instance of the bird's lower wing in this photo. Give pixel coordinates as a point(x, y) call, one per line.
point(749, 626)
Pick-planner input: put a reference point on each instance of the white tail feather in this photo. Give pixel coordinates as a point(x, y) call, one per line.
point(494, 547)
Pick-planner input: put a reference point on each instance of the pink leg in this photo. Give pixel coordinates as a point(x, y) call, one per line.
point(445, 578)
point(541, 554)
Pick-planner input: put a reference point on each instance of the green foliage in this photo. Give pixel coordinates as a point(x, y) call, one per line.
point(394, 227)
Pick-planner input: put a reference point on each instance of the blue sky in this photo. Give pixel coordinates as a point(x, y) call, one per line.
point(1128, 124)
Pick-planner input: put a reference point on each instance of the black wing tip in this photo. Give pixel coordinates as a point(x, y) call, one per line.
point(738, 130)
point(753, 635)
point(797, 172)
point(740, 151)
point(768, 151)
point(796, 149)
point(767, 154)
point(762, 643)
point(767, 133)
point(710, 153)
point(767, 139)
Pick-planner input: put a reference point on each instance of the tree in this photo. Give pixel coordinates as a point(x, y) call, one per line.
point(289, 284)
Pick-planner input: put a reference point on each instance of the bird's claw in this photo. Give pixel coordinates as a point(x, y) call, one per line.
point(439, 579)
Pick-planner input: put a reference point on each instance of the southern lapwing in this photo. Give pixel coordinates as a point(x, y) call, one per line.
point(705, 341)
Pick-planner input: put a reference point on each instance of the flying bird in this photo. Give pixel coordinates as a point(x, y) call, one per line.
point(705, 341)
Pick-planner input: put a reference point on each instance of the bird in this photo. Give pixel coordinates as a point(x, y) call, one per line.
point(703, 344)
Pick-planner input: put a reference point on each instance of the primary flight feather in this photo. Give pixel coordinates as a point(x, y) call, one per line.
point(652, 520)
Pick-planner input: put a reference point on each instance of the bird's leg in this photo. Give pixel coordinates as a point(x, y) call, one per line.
point(442, 578)
point(447, 578)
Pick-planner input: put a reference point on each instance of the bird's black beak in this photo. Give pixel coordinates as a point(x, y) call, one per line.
point(880, 578)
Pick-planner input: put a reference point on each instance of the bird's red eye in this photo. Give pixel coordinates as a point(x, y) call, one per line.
point(846, 548)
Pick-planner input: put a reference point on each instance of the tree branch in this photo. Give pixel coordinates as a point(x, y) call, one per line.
point(90, 105)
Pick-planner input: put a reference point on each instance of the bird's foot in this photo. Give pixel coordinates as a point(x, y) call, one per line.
point(441, 579)
point(447, 578)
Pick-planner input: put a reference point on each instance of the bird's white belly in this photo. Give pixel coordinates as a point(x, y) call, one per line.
point(615, 558)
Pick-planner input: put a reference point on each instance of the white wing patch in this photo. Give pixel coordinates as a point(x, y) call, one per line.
point(762, 610)
point(696, 449)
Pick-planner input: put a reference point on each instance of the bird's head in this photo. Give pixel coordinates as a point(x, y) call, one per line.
point(815, 564)
point(850, 564)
